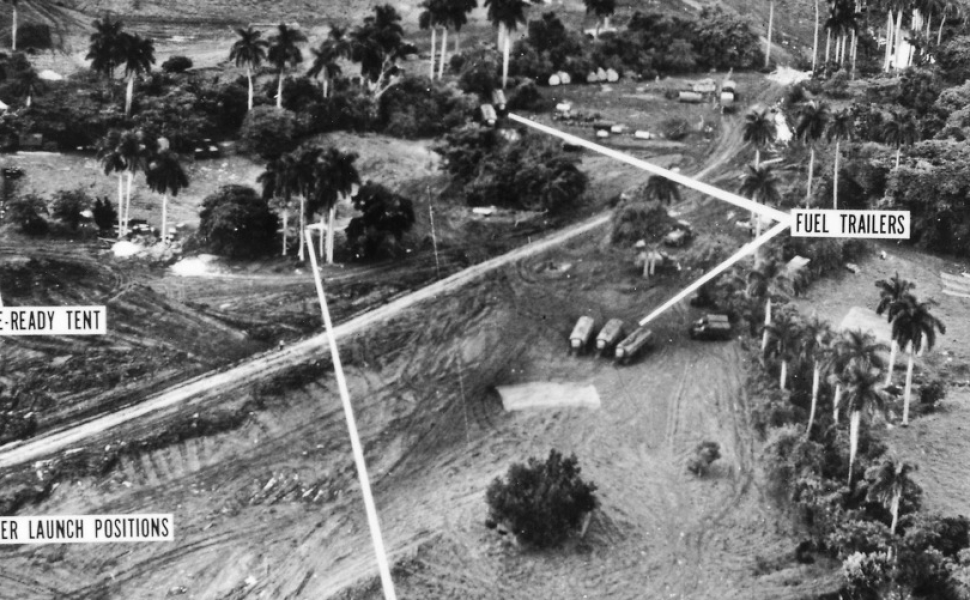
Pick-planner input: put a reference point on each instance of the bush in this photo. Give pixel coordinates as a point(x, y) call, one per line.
point(32, 37)
point(26, 212)
point(481, 72)
point(348, 110)
point(385, 219)
point(526, 97)
point(105, 215)
point(933, 391)
point(704, 456)
point(675, 128)
point(269, 132)
point(419, 108)
point(237, 222)
point(635, 220)
point(68, 205)
point(838, 85)
point(465, 150)
point(542, 501)
point(177, 64)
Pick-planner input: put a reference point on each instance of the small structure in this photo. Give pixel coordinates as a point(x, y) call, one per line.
point(711, 327)
point(489, 115)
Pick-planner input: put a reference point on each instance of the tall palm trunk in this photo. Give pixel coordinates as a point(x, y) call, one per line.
point(889, 40)
point(434, 44)
point(894, 509)
point(444, 52)
point(121, 207)
point(899, 39)
point(286, 215)
point(129, 94)
point(816, 373)
point(771, 22)
point(249, 75)
point(331, 221)
point(939, 35)
point(131, 177)
point(164, 216)
point(909, 385)
point(898, 150)
point(783, 376)
point(457, 41)
point(302, 228)
point(892, 361)
point(505, 58)
point(279, 91)
point(815, 40)
point(764, 336)
point(855, 50)
point(835, 178)
point(323, 245)
point(811, 168)
point(13, 32)
point(835, 403)
point(828, 43)
point(326, 87)
point(854, 419)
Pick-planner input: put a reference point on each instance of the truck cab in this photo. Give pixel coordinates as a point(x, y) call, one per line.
point(711, 327)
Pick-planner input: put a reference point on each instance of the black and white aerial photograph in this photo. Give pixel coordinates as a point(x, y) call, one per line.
point(485, 299)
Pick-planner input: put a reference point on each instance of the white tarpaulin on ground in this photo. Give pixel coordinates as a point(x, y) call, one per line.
point(545, 394)
point(48, 75)
point(867, 320)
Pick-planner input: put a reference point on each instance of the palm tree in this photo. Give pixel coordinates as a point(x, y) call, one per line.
point(106, 46)
point(761, 185)
point(841, 127)
point(899, 130)
point(912, 322)
point(139, 56)
point(759, 130)
point(112, 162)
point(816, 337)
point(325, 58)
point(864, 394)
point(283, 51)
point(813, 117)
point(135, 150)
point(458, 17)
point(27, 84)
point(662, 190)
point(891, 292)
point(432, 17)
point(815, 39)
point(505, 15)
point(784, 334)
point(249, 51)
point(165, 176)
point(335, 178)
point(276, 182)
point(602, 9)
point(376, 45)
point(853, 350)
point(771, 23)
point(888, 482)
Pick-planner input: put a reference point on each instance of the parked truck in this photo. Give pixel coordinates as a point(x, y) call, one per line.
point(581, 335)
point(634, 343)
point(711, 327)
point(611, 333)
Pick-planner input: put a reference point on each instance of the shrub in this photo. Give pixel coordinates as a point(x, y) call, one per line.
point(465, 150)
point(704, 456)
point(526, 97)
point(542, 501)
point(177, 64)
point(67, 206)
point(725, 40)
point(105, 215)
point(26, 212)
point(933, 391)
point(417, 107)
point(838, 85)
point(481, 72)
point(237, 222)
point(635, 220)
point(385, 219)
point(675, 128)
point(32, 37)
point(269, 131)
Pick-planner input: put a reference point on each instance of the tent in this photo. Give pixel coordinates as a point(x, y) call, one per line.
point(48, 75)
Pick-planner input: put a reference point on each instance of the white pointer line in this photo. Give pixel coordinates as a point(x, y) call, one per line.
point(690, 182)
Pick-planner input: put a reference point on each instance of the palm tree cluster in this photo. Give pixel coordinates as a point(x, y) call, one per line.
point(126, 153)
point(110, 47)
point(318, 178)
point(913, 327)
point(443, 15)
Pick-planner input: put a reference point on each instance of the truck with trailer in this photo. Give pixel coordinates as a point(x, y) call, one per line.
point(633, 344)
point(608, 337)
point(581, 335)
point(711, 327)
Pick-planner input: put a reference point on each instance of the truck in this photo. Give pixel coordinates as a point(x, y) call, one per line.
point(631, 346)
point(611, 333)
point(711, 327)
point(581, 335)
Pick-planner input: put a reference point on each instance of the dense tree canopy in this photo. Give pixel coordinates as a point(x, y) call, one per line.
point(237, 222)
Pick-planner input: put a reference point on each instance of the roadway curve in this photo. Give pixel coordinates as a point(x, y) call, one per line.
point(200, 389)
